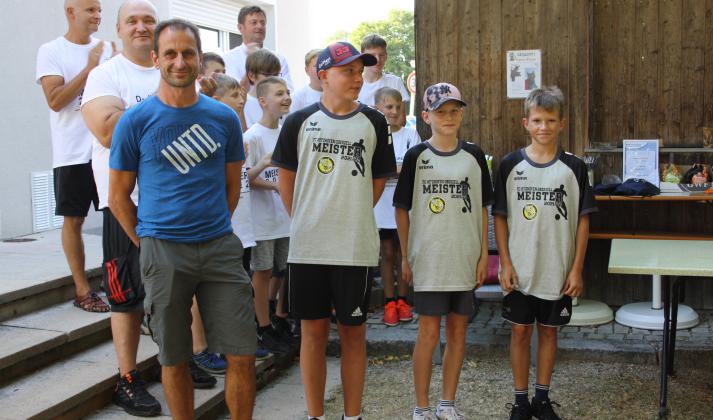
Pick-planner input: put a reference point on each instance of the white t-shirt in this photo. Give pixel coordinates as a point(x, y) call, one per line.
point(304, 97)
point(252, 110)
point(270, 218)
point(242, 220)
point(128, 81)
point(71, 139)
point(403, 140)
point(368, 89)
point(235, 64)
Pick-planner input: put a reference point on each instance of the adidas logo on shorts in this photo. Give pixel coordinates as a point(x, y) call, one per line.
point(357, 312)
point(564, 312)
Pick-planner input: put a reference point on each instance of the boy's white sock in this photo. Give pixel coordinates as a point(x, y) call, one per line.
point(447, 403)
point(322, 417)
point(345, 417)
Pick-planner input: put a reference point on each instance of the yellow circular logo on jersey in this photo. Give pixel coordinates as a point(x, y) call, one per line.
point(529, 211)
point(437, 205)
point(325, 165)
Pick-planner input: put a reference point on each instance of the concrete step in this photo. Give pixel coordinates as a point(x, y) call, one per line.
point(34, 272)
point(35, 340)
point(208, 403)
point(72, 387)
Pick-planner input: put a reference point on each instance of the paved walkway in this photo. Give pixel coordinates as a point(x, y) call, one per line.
point(489, 332)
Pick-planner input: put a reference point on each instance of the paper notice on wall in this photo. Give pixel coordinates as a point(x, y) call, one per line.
point(524, 72)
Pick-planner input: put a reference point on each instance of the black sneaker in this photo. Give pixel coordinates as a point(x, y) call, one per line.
point(130, 394)
point(543, 410)
point(520, 412)
point(271, 341)
point(201, 379)
point(283, 328)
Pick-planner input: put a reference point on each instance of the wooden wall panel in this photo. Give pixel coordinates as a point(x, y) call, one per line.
point(628, 68)
point(670, 98)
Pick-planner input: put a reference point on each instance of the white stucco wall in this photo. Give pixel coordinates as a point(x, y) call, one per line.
point(24, 115)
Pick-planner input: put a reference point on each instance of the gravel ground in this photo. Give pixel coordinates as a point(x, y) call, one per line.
point(585, 390)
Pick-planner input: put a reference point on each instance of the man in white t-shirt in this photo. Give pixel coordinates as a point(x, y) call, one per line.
point(120, 83)
point(312, 92)
point(375, 78)
point(62, 68)
point(252, 24)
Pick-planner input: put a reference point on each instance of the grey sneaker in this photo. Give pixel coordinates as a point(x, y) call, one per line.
point(428, 415)
point(448, 413)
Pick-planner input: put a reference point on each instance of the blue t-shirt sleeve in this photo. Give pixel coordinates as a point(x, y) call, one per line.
point(124, 154)
point(234, 152)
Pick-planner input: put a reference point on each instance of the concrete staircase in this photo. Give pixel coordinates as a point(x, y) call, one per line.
point(57, 361)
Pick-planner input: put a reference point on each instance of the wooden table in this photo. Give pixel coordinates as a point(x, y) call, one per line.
point(664, 258)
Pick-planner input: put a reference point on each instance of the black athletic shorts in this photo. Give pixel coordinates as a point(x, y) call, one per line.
point(315, 289)
point(122, 276)
point(443, 303)
point(74, 190)
point(392, 234)
point(522, 309)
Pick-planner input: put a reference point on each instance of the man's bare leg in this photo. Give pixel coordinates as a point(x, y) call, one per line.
point(313, 363)
point(353, 345)
point(178, 387)
point(200, 342)
point(125, 332)
point(73, 247)
point(240, 386)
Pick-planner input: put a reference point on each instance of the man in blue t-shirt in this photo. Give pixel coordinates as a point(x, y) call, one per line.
point(185, 151)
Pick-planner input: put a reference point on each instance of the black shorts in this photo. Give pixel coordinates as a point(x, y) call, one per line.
point(522, 309)
point(443, 303)
point(74, 190)
point(122, 276)
point(386, 234)
point(315, 289)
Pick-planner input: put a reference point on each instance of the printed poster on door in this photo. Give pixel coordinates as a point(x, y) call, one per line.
point(524, 72)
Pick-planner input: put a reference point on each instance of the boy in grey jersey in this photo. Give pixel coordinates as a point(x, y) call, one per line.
point(542, 206)
point(442, 193)
point(334, 158)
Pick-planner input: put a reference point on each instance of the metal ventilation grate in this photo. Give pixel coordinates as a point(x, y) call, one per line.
point(43, 203)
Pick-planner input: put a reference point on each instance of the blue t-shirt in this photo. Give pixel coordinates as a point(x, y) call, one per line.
point(179, 155)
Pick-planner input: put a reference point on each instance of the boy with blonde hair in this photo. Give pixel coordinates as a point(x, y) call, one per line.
point(271, 221)
point(443, 191)
point(334, 158)
point(312, 92)
point(396, 309)
point(543, 197)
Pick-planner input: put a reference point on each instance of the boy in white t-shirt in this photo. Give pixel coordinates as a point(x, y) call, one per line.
point(259, 65)
point(312, 92)
point(270, 219)
point(375, 78)
point(396, 309)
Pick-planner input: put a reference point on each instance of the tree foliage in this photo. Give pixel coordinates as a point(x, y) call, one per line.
point(398, 31)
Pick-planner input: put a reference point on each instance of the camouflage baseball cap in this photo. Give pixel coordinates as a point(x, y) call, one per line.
point(440, 93)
